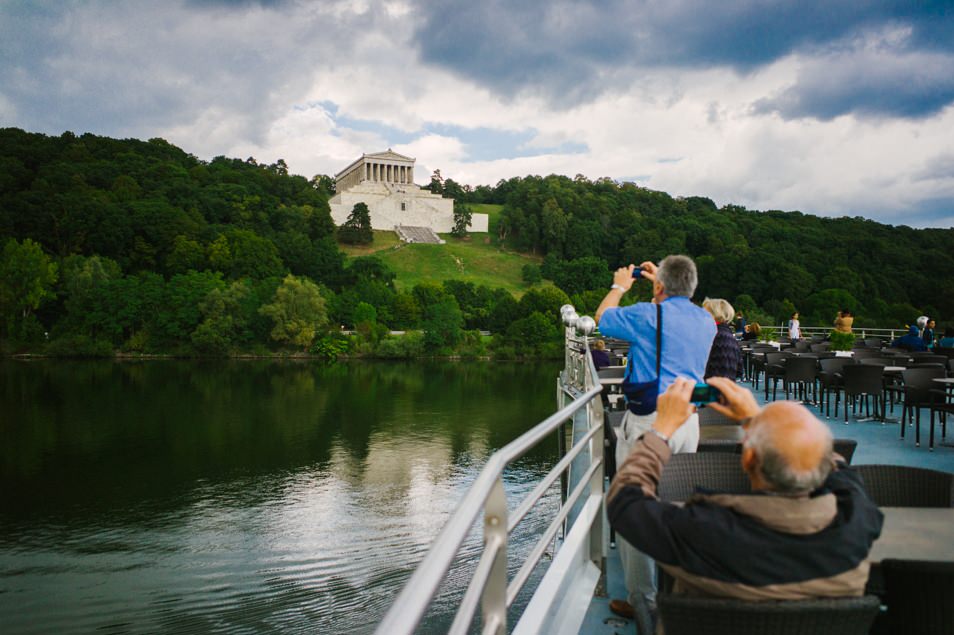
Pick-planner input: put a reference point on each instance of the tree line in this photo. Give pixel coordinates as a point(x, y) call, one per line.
point(136, 246)
point(768, 263)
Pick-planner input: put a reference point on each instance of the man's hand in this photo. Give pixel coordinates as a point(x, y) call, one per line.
point(673, 407)
point(739, 403)
point(649, 270)
point(624, 277)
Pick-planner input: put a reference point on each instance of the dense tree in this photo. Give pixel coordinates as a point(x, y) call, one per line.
point(443, 323)
point(357, 229)
point(225, 319)
point(27, 275)
point(297, 312)
point(463, 217)
point(531, 274)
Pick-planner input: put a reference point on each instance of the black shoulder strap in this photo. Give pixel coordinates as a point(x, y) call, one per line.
point(659, 327)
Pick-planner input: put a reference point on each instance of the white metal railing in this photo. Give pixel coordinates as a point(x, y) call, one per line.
point(580, 556)
point(781, 330)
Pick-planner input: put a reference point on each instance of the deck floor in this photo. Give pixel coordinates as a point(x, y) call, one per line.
point(877, 443)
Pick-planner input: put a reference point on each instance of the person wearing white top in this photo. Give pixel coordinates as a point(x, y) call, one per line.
point(794, 329)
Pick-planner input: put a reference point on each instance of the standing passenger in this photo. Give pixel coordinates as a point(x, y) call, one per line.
point(794, 328)
point(844, 321)
point(928, 335)
point(669, 338)
point(725, 357)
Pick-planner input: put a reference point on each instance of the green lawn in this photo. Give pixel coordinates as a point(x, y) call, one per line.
point(382, 240)
point(474, 261)
point(477, 259)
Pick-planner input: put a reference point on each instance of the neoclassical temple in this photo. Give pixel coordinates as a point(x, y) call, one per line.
point(381, 167)
point(384, 181)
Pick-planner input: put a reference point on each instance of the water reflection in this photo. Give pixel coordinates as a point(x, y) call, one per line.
point(240, 496)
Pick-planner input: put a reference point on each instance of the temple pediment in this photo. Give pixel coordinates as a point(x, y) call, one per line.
point(388, 155)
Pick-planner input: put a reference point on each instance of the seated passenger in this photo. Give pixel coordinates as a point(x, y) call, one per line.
point(752, 332)
point(910, 342)
point(948, 340)
point(805, 531)
point(601, 358)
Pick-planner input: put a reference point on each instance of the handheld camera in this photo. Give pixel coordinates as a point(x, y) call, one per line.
point(703, 394)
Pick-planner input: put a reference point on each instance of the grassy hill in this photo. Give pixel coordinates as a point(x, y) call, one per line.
point(479, 259)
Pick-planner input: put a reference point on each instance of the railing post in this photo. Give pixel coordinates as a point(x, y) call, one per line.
point(595, 418)
point(494, 600)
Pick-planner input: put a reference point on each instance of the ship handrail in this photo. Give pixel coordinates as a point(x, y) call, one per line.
point(489, 585)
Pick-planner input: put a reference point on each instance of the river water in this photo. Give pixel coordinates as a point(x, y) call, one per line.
point(245, 497)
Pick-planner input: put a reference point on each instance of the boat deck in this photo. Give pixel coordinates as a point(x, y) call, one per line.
point(877, 444)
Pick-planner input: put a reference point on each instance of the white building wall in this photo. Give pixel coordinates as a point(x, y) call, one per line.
point(421, 207)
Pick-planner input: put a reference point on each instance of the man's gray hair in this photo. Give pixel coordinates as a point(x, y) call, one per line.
point(779, 475)
point(678, 276)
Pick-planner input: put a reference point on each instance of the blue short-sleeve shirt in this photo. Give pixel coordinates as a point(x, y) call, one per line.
point(687, 336)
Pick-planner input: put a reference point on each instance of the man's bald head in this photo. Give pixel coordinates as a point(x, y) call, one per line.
point(787, 449)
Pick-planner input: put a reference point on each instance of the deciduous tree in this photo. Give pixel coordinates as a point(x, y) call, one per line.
point(297, 312)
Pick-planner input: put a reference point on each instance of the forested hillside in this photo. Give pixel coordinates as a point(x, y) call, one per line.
point(137, 246)
point(774, 261)
point(125, 245)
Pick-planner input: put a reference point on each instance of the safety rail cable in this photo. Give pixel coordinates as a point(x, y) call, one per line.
point(412, 602)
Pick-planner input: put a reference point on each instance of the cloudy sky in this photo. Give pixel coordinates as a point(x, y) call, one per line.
point(828, 107)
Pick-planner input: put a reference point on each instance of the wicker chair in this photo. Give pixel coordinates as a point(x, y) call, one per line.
point(902, 486)
point(862, 380)
point(774, 370)
point(711, 470)
point(919, 596)
point(830, 379)
point(712, 417)
point(714, 616)
point(800, 376)
point(845, 447)
point(918, 386)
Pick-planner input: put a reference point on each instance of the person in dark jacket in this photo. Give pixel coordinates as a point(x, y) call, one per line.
point(927, 336)
point(752, 332)
point(601, 358)
point(910, 342)
point(725, 356)
point(805, 530)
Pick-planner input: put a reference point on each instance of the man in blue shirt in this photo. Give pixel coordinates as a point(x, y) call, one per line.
point(687, 334)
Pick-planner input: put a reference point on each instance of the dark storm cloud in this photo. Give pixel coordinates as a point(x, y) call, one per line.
point(868, 84)
point(573, 51)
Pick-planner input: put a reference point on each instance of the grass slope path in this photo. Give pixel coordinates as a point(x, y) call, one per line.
point(478, 259)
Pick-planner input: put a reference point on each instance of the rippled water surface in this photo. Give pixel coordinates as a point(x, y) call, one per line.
point(244, 497)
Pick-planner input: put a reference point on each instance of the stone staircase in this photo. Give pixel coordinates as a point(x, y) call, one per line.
point(409, 234)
